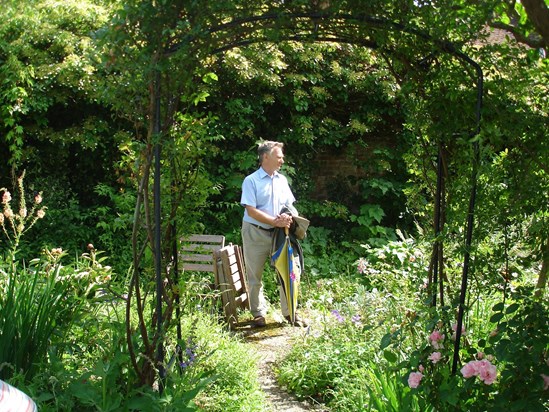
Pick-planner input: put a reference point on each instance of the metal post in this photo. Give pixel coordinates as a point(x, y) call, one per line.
point(157, 236)
point(437, 245)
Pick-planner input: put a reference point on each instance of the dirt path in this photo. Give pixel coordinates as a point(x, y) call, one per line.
point(272, 343)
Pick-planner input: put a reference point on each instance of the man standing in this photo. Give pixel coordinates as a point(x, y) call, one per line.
point(264, 193)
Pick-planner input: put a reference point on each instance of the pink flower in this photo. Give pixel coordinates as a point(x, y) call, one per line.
point(454, 328)
point(436, 337)
point(421, 368)
point(545, 381)
point(362, 265)
point(480, 355)
point(469, 369)
point(38, 199)
point(6, 197)
point(40, 214)
point(435, 357)
point(414, 379)
point(487, 372)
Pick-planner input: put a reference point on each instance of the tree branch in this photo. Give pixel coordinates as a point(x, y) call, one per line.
point(538, 13)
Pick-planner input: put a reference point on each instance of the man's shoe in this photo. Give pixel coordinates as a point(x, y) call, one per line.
point(297, 321)
point(259, 322)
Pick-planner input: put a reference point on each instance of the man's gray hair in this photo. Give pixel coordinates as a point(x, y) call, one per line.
point(267, 147)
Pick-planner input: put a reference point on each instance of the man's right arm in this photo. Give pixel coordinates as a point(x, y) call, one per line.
point(283, 220)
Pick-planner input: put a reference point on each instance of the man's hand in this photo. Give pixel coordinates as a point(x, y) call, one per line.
point(283, 220)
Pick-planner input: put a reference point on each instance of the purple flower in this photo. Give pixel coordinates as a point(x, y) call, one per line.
point(338, 316)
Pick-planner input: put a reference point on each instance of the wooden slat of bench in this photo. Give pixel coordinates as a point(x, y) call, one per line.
point(197, 258)
point(199, 248)
point(236, 278)
point(197, 267)
point(237, 286)
point(219, 239)
point(196, 252)
point(241, 300)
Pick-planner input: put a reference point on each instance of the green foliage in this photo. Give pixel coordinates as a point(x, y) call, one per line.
point(520, 341)
point(493, 367)
point(372, 339)
point(16, 223)
point(114, 221)
point(323, 366)
point(36, 311)
point(235, 387)
point(68, 224)
point(396, 265)
point(46, 47)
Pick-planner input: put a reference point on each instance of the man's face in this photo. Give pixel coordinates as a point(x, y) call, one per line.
point(274, 160)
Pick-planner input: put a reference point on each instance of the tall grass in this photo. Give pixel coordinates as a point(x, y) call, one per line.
point(34, 310)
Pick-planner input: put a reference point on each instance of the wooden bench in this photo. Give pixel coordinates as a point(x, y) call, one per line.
point(231, 281)
point(208, 253)
point(196, 252)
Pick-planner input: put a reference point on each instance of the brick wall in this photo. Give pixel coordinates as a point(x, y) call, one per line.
point(342, 168)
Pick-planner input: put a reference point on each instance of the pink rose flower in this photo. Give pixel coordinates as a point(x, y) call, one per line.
point(469, 369)
point(436, 337)
point(414, 379)
point(487, 372)
point(435, 357)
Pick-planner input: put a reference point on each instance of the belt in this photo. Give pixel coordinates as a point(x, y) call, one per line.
point(263, 228)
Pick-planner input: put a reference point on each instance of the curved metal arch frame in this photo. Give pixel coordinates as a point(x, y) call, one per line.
point(374, 22)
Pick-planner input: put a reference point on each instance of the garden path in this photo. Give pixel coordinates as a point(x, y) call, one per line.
point(272, 343)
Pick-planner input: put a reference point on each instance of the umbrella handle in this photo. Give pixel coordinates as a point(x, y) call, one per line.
point(287, 230)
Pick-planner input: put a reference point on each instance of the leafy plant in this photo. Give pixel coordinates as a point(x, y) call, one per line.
point(36, 311)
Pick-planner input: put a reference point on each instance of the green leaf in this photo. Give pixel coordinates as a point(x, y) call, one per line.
point(385, 341)
point(498, 307)
point(496, 317)
point(390, 356)
point(512, 308)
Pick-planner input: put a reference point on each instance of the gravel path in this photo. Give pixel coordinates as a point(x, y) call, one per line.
point(272, 343)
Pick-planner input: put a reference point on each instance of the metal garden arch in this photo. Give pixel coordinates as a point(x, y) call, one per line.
point(324, 26)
